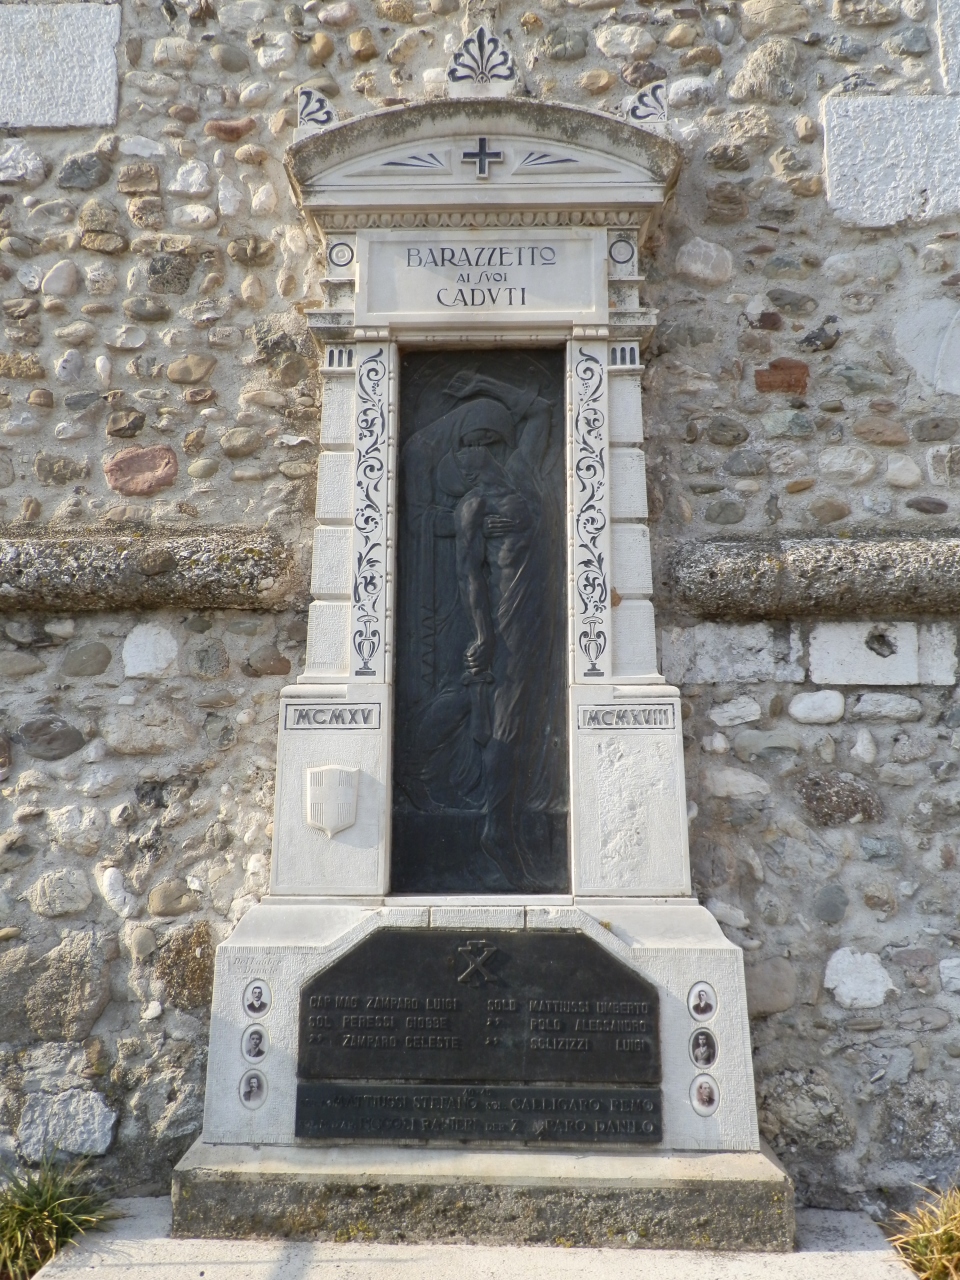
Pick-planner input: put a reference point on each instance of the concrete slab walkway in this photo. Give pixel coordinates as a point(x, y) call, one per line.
point(833, 1246)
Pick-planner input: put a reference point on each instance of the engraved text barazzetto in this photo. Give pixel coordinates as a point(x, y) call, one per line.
point(480, 759)
point(497, 276)
point(503, 1035)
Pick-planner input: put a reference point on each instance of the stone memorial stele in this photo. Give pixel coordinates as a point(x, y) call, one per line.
point(480, 1000)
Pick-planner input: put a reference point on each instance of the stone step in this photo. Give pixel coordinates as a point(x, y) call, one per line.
point(832, 1246)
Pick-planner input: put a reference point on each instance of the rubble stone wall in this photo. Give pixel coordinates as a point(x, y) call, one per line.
point(159, 391)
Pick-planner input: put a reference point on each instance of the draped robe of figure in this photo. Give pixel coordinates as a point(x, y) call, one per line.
point(481, 616)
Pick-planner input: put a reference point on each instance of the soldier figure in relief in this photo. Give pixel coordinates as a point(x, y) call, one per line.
point(484, 473)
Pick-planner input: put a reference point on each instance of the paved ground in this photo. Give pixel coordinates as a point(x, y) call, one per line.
point(833, 1246)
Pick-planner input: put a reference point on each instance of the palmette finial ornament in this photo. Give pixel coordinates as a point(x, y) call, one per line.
point(481, 67)
point(314, 112)
point(648, 107)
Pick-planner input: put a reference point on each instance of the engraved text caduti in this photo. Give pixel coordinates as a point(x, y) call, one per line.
point(591, 520)
point(370, 511)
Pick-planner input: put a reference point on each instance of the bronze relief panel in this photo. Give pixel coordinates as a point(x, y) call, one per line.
point(480, 772)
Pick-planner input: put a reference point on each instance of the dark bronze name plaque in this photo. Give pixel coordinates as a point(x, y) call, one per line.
point(495, 1036)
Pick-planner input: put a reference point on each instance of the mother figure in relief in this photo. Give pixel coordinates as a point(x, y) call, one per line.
point(480, 654)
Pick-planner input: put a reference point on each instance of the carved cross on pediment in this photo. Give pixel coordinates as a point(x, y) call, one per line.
point(482, 158)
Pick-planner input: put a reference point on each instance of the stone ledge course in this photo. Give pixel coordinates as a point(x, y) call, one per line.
point(218, 569)
point(754, 579)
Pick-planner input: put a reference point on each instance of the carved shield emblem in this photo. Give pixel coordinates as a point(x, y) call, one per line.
point(331, 796)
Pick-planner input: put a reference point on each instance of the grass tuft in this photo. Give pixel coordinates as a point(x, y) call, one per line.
point(41, 1210)
point(929, 1239)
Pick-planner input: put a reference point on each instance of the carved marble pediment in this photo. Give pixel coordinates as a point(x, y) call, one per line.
point(432, 159)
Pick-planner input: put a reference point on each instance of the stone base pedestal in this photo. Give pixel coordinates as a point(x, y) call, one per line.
point(665, 1200)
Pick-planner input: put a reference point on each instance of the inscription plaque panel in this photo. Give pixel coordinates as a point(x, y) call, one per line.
point(499, 1035)
point(499, 277)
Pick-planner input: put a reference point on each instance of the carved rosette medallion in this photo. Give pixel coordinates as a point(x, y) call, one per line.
point(591, 499)
point(370, 517)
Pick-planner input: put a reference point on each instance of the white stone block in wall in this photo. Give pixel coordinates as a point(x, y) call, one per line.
point(628, 484)
point(887, 706)
point(928, 337)
point(626, 412)
point(735, 784)
point(857, 979)
point(937, 657)
point(332, 560)
point(239, 17)
point(891, 158)
point(335, 477)
point(718, 652)
point(58, 64)
point(631, 574)
point(77, 1122)
point(950, 975)
point(948, 30)
point(864, 653)
point(947, 368)
point(336, 417)
point(328, 638)
point(149, 651)
point(742, 710)
point(634, 640)
point(826, 706)
point(943, 465)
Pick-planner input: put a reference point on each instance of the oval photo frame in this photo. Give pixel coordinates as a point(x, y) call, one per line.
point(702, 1001)
point(257, 999)
point(704, 1095)
point(254, 1043)
point(704, 1049)
point(253, 1090)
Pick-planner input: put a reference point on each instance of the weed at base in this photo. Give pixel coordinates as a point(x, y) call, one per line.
point(929, 1239)
point(41, 1210)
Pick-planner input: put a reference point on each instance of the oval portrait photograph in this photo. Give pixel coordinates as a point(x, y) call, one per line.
point(702, 1001)
point(254, 1044)
point(704, 1095)
point(257, 998)
point(253, 1090)
point(703, 1049)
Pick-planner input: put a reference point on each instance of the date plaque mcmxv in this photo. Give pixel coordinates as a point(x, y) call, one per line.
point(493, 1036)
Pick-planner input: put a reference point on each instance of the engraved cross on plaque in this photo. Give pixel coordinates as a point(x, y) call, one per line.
point(482, 157)
point(476, 962)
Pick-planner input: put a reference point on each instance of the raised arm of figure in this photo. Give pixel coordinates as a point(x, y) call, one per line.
point(517, 400)
point(471, 550)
